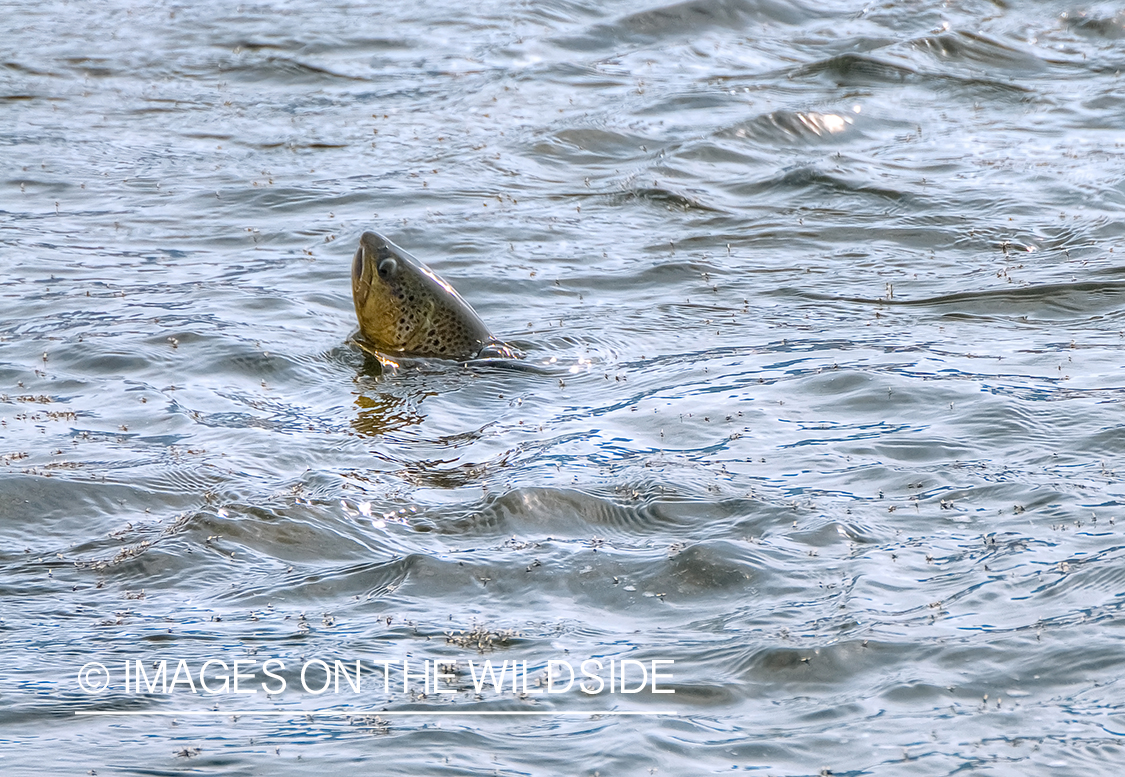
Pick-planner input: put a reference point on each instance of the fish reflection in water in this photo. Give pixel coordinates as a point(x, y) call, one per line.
point(383, 412)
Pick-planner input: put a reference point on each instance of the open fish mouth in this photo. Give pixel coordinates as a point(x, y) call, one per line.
point(357, 263)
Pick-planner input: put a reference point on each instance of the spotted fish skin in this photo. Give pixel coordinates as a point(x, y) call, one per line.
point(405, 308)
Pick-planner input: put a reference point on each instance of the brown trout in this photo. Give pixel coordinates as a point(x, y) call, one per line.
point(405, 309)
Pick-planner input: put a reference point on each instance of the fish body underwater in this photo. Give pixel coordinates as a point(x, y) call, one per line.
point(405, 309)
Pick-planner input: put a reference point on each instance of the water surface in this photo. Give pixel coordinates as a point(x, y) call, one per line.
point(828, 322)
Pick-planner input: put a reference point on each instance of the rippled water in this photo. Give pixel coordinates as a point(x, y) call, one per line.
point(825, 329)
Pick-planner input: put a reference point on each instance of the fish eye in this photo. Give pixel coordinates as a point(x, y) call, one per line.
point(357, 263)
point(387, 267)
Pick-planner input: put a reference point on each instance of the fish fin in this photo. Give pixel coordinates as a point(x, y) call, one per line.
point(498, 350)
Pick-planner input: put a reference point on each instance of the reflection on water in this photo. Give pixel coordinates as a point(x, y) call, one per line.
point(822, 314)
point(383, 413)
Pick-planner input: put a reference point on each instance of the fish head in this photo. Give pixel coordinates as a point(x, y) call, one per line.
point(404, 307)
point(390, 301)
